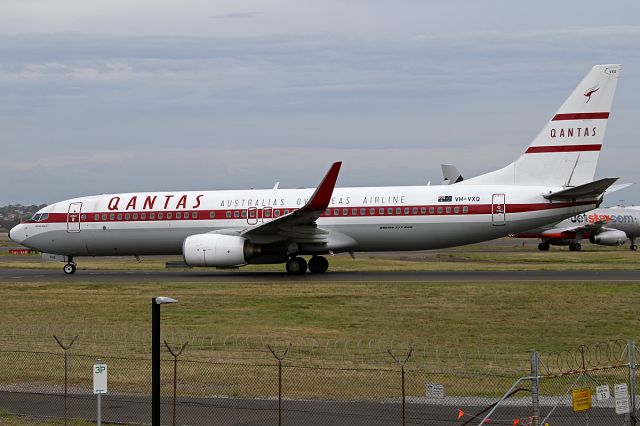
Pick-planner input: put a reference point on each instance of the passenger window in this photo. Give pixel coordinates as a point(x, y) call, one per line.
point(119, 216)
point(372, 211)
point(194, 215)
point(276, 213)
point(169, 216)
point(406, 210)
point(327, 212)
point(381, 210)
point(135, 216)
point(228, 214)
point(127, 216)
point(178, 215)
point(465, 209)
point(448, 210)
point(354, 212)
point(252, 213)
point(286, 212)
point(414, 210)
point(244, 214)
point(267, 213)
point(431, 210)
point(398, 210)
point(152, 216)
point(456, 210)
point(236, 214)
point(112, 216)
point(104, 217)
point(363, 212)
point(143, 216)
point(390, 210)
point(423, 210)
point(212, 214)
point(345, 212)
point(439, 210)
point(96, 217)
point(336, 212)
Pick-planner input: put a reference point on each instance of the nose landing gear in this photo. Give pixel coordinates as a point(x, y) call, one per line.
point(70, 267)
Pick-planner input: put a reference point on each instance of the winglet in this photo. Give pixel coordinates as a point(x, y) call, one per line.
point(322, 195)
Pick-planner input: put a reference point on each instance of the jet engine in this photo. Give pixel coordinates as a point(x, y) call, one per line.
point(609, 238)
point(216, 250)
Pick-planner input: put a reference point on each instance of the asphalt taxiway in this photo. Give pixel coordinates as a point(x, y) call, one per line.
point(204, 276)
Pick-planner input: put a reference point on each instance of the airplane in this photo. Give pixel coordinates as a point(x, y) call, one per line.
point(551, 180)
point(611, 226)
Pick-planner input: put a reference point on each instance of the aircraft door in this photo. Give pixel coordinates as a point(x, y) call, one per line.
point(252, 215)
point(73, 217)
point(498, 210)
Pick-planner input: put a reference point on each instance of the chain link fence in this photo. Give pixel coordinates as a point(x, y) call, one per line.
point(241, 381)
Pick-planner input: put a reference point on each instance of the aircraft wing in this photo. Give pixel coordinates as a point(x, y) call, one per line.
point(300, 225)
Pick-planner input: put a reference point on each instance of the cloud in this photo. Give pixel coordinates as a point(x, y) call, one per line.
point(235, 15)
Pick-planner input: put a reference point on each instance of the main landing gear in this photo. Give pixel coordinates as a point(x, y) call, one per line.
point(633, 245)
point(298, 266)
point(575, 246)
point(70, 267)
point(544, 246)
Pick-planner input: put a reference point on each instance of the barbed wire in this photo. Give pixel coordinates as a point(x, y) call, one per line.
point(320, 351)
point(599, 354)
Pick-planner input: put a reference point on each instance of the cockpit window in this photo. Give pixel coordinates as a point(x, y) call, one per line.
point(39, 217)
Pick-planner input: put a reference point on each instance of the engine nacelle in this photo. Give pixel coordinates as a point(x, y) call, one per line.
point(609, 238)
point(216, 250)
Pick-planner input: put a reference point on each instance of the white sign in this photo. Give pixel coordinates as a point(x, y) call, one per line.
point(435, 390)
point(100, 378)
point(602, 392)
point(621, 394)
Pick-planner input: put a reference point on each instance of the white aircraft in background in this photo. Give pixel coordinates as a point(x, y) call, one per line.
point(550, 181)
point(608, 227)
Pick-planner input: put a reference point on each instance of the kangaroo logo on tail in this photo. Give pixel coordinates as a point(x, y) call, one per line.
point(590, 92)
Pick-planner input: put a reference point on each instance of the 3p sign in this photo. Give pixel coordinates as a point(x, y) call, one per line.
point(100, 378)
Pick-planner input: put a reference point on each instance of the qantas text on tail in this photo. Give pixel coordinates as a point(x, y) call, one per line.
point(551, 180)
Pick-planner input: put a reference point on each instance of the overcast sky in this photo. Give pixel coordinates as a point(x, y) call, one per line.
point(118, 96)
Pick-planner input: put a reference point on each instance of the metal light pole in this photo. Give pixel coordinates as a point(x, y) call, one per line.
point(155, 356)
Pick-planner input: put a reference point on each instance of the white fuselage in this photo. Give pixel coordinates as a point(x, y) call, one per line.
point(373, 218)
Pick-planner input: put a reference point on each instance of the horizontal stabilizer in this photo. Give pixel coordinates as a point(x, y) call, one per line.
point(588, 190)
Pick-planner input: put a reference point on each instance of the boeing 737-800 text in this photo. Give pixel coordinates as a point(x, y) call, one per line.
point(550, 181)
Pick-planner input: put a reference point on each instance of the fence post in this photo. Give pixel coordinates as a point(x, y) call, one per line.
point(632, 381)
point(65, 348)
point(402, 376)
point(280, 359)
point(175, 374)
point(533, 354)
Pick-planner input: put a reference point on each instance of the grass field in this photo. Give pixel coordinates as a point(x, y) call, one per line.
point(457, 315)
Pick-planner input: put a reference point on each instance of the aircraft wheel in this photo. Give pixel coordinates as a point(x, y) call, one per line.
point(633, 247)
point(69, 268)
point(543, 246)
point(296, 266)
point(318, 265)
point(575, 246)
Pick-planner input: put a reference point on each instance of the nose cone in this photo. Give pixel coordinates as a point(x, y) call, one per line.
point(17, 234)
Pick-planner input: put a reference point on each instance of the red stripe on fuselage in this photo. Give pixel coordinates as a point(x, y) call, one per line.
point(563, 148)
point(361, 211)
point(581, 116)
